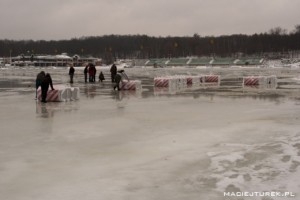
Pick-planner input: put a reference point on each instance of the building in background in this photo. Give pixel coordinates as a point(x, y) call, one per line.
point(62, 60)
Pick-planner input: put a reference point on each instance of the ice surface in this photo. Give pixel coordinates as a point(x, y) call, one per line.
point(191, 144)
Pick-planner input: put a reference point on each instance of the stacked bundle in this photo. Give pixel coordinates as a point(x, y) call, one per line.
point(211, 80)
point(252, 81)
point(131, 85)
point(179, 83)
point(271, 81)
point(162, 81)
point(170, 84)
point(60, 93)
point(195, 81)
point(262, 82)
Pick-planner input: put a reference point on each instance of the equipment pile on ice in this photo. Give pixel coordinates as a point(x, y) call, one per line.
point(60, 93)
point(263, 82)
point(131, 85)
point(179, 83)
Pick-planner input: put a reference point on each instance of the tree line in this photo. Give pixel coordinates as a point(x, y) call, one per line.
point(111, 47)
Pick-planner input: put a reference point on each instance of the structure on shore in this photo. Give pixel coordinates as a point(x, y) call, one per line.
point(61, 60)
point(203, 61)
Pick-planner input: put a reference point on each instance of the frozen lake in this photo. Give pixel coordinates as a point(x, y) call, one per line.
point(150, 145)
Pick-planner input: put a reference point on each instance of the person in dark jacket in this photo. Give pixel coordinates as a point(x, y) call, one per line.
point(113, 72)
point(101, 77)
point(71, 73)
point(121, 75)
point(85, 71)
point(92, 73)
point(46, 82)
point(38, 81)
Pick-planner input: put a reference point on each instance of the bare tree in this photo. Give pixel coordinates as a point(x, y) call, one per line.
point(297, 29)
point(278, 31)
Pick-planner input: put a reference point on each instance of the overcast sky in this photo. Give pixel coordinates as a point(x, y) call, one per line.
point(66, 19)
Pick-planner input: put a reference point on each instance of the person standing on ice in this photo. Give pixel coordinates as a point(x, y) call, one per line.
point(38, 81)
point(71, 73)
point(47, 80)
point(101, 77)
point(85, 71)
point(120, 76)
point(92, 72)
point(113, 72)
point(95, 71)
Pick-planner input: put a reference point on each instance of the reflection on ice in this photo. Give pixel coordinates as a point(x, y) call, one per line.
point(123, 96)
point(48, 110)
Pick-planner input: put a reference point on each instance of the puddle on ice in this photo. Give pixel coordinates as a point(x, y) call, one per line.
point(150, 144)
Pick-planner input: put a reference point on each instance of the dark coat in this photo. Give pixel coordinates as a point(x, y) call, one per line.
point(113, 69)
point(39, 79)
point(71, 71)
point(92, 70)
point(121, 75)
point(86, 70)
point(47, 81)
point(101, 76)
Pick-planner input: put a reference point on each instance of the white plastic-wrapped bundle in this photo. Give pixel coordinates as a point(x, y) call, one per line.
point(271, 81)
point(194, 81)
point(211, 80)
point(52, 95)
point(181, 82)
point(75, 92)
point(66, 94)
point(253, 80)
point(190, 80)
point(262, 82)
point(131, 85)
point(172, 84)
point(162, 81)
point(60, 93)
point(166, 81)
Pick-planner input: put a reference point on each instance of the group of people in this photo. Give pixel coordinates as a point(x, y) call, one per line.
point(116, 75)
point(43, 80)
point(91, 70)
point(90, 74)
